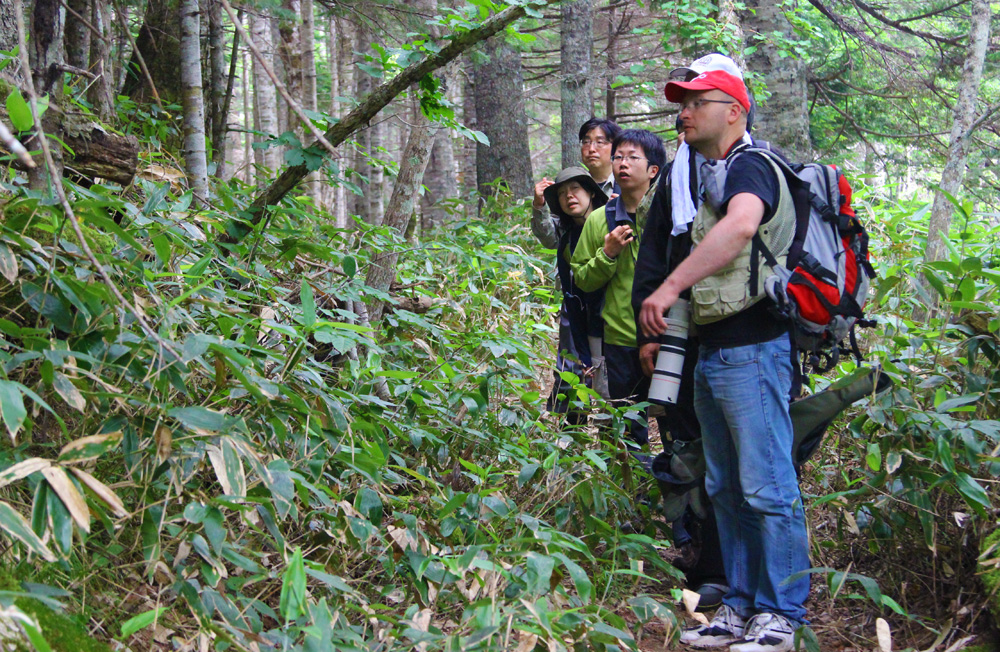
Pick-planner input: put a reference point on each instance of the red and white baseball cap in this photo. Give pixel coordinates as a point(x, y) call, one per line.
point(713, 79)
point(714, 61)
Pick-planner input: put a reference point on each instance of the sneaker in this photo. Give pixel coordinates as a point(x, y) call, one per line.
point(726, 627)
point(766, 633)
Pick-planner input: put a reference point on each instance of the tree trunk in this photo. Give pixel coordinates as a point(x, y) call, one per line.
point(99, 94)
point(77, 35)
point(195, 161)
point(159, 44)
point(362, 165)
point(307, 36)
point(961, 128)
point(784, 118)
point(469, 146)
point(378, 99)
point(376, 173)
point(577, 87)
point(441, 181)
point(219, 75)
point(8, 42)
point(501, 116)
point(335, 36)
point(610, 93)
point(401, 207)
point(265, 101)
point(290, 50)
point(248, 122)
point(44, 53)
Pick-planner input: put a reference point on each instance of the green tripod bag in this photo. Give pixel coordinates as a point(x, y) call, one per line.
point(680, 469)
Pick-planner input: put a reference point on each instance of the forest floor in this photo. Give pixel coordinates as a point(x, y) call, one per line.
point(946, 605)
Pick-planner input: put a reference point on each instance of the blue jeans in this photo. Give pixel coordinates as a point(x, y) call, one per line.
point(741, 398)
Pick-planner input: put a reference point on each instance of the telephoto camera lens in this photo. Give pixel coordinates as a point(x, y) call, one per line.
point(666, 381)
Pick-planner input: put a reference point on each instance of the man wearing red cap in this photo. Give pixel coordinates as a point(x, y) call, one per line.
point(744, 371)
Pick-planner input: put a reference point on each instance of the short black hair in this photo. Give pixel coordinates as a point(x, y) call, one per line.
point(651, 144)
point(609, 127)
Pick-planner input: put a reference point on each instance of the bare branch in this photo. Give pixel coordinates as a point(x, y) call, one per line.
point(868, 9)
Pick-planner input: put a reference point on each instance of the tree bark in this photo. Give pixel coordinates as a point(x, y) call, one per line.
point(440, 180)
point(401, 207)
point(195, 161)
point(501, 116)
point(77, 35)
point(265, 99)
point(219, 76)
point(44, 53)
point(159, 44)
point(469, 146)
point(8, 41)
point(290, 51)
point(100, 92)
point(577, 87)
point(361, 205)
point(961, 130)
point(378, 99)
point(783, 119)
point(376, 173)
point(336, 46)
point(248, 122)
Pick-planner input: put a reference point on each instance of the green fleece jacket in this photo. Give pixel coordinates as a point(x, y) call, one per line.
point(593, 270)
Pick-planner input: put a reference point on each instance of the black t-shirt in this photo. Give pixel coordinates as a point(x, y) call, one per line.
point(752, 173)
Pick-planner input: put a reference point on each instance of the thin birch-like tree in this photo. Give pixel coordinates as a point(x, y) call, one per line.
point(195, 161)
point(961, 130)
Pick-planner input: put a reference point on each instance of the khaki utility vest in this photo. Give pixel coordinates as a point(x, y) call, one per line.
point(740, 284)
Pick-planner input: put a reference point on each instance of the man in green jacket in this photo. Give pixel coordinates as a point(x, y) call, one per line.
point(605, 258)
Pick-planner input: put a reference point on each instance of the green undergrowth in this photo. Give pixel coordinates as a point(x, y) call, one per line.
point(268, 469)
point(259, 466)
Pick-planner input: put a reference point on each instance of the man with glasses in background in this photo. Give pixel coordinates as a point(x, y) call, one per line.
point(596, 136)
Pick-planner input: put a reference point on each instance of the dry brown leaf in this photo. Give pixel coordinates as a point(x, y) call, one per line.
point(884, 635)
point(22, 470)
point(690, 600)
point(526, 642)
point(422, 623)
point(164, 438)
point(402, 538)
point(102, 491)
point(60, 483)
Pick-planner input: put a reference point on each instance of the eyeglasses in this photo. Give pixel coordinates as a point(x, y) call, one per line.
point(632, 160)
point(694, 105)
point(600, 142)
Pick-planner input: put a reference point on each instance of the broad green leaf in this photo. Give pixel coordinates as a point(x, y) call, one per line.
point(12, 407)
point(350, 266)
point(308, 304)
point(874, 456)
point(228, 469)
point(88, 448)
point(16, 526)
point(199, 418)
point(539, 573)
point(293, 601)
point(8, 263)
point(973, 492)
point(142, 621)
point(68, 391)
point(580, 577)
point(19, 111)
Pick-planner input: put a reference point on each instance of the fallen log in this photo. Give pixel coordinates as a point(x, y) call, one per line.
point(95, 151)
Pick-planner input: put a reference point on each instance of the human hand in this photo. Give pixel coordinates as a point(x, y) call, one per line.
point(617, 240)
point(654, 307)
point(540, 187)
point(647, 357)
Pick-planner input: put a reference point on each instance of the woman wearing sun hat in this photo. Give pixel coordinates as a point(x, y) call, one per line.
point(571, 198)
